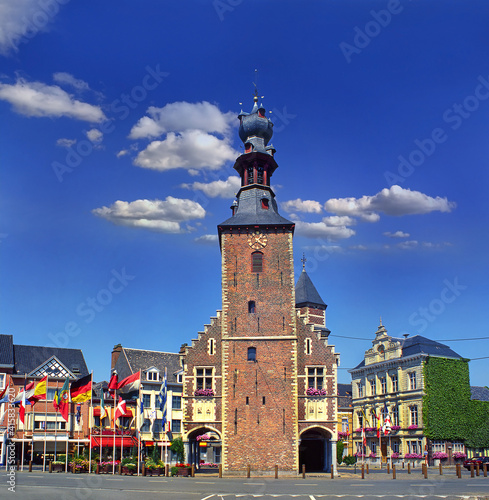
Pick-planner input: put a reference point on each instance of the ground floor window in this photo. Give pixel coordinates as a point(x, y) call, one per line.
point(373, 446)
point(395, 446)
point(438, 446)
point(458, 447)
point(414, 446)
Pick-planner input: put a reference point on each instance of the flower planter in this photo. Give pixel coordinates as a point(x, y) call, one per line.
point(128, 471)
point(58, 467)
point(183, 471)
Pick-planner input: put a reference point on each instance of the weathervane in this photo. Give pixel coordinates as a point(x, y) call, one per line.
point(303, 260)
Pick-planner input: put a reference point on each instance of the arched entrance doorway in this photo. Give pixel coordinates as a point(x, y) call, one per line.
point(204, 447)
point(315, 451)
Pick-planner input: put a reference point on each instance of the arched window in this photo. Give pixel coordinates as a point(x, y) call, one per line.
point(256, 262)
point(251, 353)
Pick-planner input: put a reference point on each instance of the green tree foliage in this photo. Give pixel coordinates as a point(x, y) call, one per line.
point(478, 432)
point(446, 403)
point(178, 448)
point(340, 446)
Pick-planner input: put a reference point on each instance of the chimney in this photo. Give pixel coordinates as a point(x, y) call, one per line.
point(115, 355)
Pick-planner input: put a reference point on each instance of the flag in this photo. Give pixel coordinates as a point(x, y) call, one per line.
point(141, 413)
point(64, 400)
point(56, 400)
point(4, 398)
point(387, 421)
point(130, 384)
point(162, 399)
point(81, 389)
point(78, 413)
point(120, 411)
point(103, 411)
point(378, 424)
point(347, 428)
point(40, 390)
point(22, 407)
point(113, 383)
point(364, 439)
point(29, 392)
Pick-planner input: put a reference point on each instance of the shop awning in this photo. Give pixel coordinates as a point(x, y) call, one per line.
point(127, 441)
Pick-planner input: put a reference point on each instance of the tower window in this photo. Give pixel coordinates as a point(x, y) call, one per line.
point(264, 203)
point(251, 306)
point(308, 346)
point(251, 353)
point(212, 346)
point(251, 174)
point(257, 262)
point(259, 175)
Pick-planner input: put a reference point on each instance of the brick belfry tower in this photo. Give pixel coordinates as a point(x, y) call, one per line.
point(260, 381)
point(259, 358)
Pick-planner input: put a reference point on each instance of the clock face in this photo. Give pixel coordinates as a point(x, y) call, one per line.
point(257, 240)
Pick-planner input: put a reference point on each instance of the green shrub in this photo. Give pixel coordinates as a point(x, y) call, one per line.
point(349, 460)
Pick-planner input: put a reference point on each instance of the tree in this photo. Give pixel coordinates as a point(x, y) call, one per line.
point(177, 447)
point(340, 446)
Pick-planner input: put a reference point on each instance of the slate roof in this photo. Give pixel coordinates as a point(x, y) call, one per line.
point(29, 357)
point(6, 350)
point(132, 360)
point(421, 345)
point(306, 293)
point(479, 393)
point(344, 395)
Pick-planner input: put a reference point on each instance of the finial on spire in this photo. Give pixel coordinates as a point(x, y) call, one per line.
point(381, 321)
point(303, 260)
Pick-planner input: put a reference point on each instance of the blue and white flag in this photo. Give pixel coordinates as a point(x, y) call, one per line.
point(162, 399)
point(141, 413)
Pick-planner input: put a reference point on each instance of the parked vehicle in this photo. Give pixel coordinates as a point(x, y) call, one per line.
point(476, 460)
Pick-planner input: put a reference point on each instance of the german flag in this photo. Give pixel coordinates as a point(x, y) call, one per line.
point(81, 389)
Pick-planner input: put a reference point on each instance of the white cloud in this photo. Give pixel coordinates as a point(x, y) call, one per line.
point(65, 143)
point(307, 206)
point(337, 220)
point(207, 239)
point(214, 189)
point(192, 149)
point(180, 116)
point(394, 201)
point(122, 152)
point(38, 99)
point(157, 215)
point(322, 230)
point(21, 20)
point(68, 79)
point(407, 245)
point(362, 248)
point(95, 135)
point(397, 234)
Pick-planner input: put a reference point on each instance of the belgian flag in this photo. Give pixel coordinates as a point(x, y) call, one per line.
point(81, 389)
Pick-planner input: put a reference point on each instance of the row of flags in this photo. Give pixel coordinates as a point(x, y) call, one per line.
point(383, 424)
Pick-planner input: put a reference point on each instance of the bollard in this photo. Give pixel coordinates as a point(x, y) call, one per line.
point(403, 465)
point(303, 471)
point(409, 468)
point(120, 470)
point(388, 468)
point(393, 471)
point(367, 468)
point(248, 471)
point(50, 466)
point(471, 470)
point(192, 471)
point(459, 471)
point(332, 471)
point(425, 472)
point(97, 471)
point(143, 469)
point(167, 470)
point(363, 472)
point(30, 465)
point(18, 464)
point(485, 470)
point(477, 469)
point(220, 470)
point(441, 469)
point(276, 472)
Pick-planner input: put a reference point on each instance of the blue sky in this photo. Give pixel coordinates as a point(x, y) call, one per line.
point(119, 135)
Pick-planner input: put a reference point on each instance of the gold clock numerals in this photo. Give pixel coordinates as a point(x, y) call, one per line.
point(257, 240)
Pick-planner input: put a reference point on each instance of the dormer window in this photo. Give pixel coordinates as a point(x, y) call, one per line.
point(264, 203)
point(153, 375)
point(248, 147)
point(261, 112)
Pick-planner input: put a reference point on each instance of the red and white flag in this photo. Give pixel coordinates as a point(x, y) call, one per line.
point(22, 407)
point(120, 411)
point(130, 384)
point(113, 383)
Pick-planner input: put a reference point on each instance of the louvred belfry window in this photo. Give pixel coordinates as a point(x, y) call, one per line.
point(257, 262)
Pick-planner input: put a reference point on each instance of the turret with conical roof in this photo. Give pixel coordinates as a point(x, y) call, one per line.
point(256, 205)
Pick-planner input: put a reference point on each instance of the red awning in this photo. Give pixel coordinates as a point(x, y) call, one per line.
point(127, 441)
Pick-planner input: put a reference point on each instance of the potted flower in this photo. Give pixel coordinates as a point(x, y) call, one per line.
point(342, 435)
point(58, 466)
point(204, 392)
point(183, 470)
point(129, 465)
point(311, 391)
point(459, 456)
point(413, 427)
point(395, 428)
point(438, 456)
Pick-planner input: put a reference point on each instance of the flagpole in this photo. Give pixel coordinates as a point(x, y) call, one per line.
point(45, 425)
point(90, 413)
point(55, 420)
point(140, 416)
point(113, 438)
point(33, 421)
point(23, 439)
point(102, 407)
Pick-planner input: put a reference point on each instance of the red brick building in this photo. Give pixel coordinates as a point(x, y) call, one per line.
point(260, 380)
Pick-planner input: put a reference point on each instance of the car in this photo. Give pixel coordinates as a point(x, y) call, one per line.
point(476, 460)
